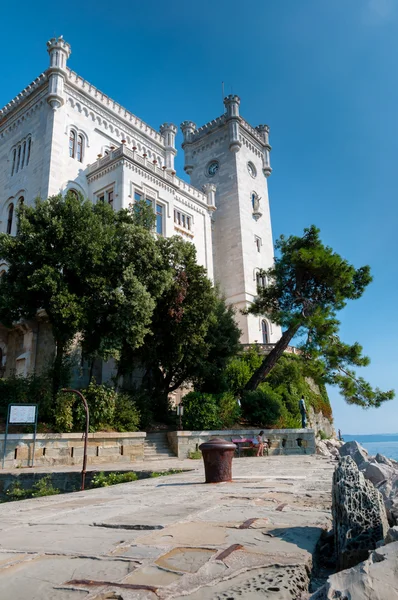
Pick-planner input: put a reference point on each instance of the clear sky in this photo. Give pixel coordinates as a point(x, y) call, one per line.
point(321, 73)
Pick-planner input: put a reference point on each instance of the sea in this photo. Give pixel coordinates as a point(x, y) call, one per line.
point(384, 443)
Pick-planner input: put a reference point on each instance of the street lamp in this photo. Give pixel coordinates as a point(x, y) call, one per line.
point(180, 412)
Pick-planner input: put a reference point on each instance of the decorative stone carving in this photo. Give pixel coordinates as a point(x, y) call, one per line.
point(359, 515)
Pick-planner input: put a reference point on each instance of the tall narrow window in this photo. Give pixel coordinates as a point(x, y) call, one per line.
point(14, 157)
point(137, 197)
point(74, 193)
point(159, 219)
point(80, 148)
point(72, 144)
point(28, 154)
point(23, 155)
point(21, 201)
point(19, 159)
point(110, 198)
point(9, 220)
point(264, 331)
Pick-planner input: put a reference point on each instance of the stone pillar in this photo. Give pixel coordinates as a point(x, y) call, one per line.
point(59, 51)
point(263, 130)
point(188, 129)
point(232, 107)
point(210, 191)
point(168, 132)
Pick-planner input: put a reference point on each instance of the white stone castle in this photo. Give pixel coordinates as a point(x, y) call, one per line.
point(62, 134)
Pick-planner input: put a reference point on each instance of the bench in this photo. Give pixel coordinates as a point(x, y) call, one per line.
point(247, 444)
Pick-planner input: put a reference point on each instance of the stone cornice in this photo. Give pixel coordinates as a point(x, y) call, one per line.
point(125, 117)
point(104, 117)
point(184, 192)
point(23, 111)
point(219, 123)
point(22, 96)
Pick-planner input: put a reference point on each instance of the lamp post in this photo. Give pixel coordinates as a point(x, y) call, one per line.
point(180, 412)
point(72, 391)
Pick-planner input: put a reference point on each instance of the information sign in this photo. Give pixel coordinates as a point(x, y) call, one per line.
point(22, 414)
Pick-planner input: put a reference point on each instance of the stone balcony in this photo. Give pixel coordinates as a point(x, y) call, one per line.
point(123, 152)
point(266, 348)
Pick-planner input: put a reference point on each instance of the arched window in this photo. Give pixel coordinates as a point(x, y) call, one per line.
point(264, 331)
point(74, 193)
point(80, 148)
point(28, 154)
point(72, 144)
point(19, 158)
point(10, 216)
point(14, 157)
point(23, 155)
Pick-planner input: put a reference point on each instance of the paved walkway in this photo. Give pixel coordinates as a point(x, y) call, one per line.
point(169, 537)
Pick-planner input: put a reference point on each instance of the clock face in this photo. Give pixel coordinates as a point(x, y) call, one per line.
point(212, 168)
point(252, 170)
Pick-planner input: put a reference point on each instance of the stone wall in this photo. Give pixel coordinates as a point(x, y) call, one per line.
point(320, 423)
point(282, 441)
point(54, 449)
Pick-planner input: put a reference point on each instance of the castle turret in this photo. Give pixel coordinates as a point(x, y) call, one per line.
point(188, 129)
point(263, 130)
point(169, 131)
point(232, 117)
point(59, 51)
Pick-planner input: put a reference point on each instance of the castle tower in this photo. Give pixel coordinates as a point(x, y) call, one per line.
point(59, 51)
point(168, 132)
point(234, 158)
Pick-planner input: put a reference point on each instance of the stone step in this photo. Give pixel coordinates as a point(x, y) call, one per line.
point(156, 446)
point(157, 453)
point(159, 457)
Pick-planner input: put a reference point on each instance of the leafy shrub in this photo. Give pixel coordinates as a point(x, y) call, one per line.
point(195, 455)
point(229, 409)
point(201, 412)
point(322, 435)
point(101, 400)
point(108, 410)
point(127, 416)
point(263, 407)
point(33, 389)
point(102, 480)
point(165, 473)
point(43, 487)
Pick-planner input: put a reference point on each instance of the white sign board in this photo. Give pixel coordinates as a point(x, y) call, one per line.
point(20, 413)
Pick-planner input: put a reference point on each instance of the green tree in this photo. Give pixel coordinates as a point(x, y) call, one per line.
point(308, 285)
point(88, 268)
point(193, 333)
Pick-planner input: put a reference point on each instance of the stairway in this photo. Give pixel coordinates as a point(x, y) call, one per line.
point(157, 447)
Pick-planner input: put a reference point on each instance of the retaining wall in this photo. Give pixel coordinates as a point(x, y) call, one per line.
point(282, 441)
point(67, 449)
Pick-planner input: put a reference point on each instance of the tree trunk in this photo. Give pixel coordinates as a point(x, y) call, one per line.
point(90, 375)
point(272, 358)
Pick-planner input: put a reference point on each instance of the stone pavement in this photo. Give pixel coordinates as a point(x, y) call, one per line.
point(172, 537)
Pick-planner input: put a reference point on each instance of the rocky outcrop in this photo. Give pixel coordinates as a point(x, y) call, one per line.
point(374, 579)
point(328, 448)
point(359, 515)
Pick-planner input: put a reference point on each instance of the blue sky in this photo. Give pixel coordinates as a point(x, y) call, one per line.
point(322, 74)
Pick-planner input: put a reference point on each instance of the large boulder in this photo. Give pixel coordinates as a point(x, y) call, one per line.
point(374, 579)
point(359, 514)
point(378, 472)
point(355, 450)
point(383, 460)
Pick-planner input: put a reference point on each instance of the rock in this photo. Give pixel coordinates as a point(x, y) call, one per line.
point(321, 448)
point(383, 460)
point(355, 450)
point(374, 579)
point(377, 472)
point(359, 514)
point(392, 535)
